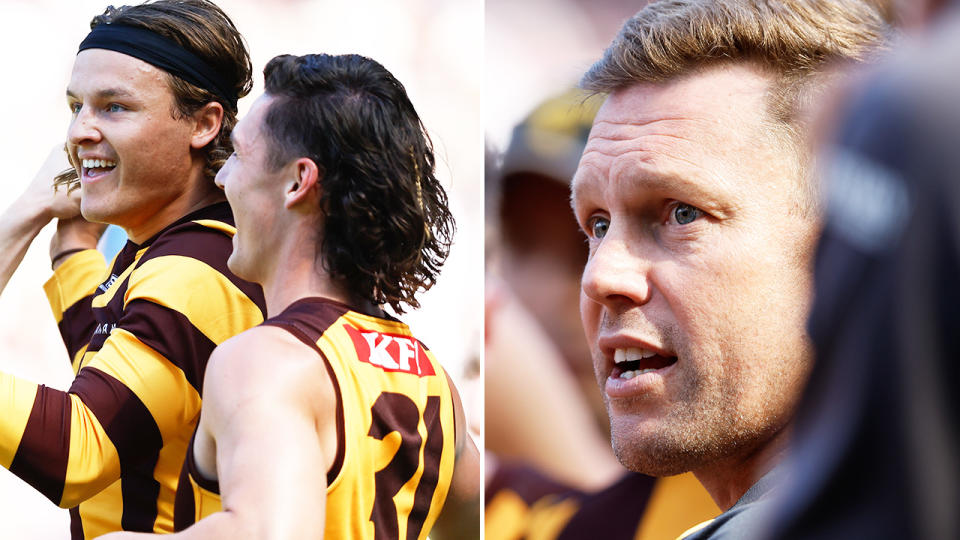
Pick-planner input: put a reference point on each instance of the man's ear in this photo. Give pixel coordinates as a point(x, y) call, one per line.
point(207, 124)
point(301, 188)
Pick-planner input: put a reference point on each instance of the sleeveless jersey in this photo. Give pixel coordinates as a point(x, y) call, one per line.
point(395, 427)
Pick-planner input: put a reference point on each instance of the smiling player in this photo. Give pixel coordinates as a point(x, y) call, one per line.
point(153, 96)
point(331, 419)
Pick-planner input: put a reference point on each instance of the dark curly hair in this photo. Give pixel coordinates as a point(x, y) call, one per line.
point(205, 30)
point(386, 226)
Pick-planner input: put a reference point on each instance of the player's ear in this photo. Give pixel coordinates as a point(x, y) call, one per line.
point(207, 124)
point(301, 187)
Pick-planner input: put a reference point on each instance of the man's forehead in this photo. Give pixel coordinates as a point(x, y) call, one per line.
point(729, 91)
point(102, 68)
point(692, 130)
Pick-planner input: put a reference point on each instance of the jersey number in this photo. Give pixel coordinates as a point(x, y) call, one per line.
point(397, 412)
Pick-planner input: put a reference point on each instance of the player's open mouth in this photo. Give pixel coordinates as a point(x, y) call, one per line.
point(634, 361)
point(94, 168)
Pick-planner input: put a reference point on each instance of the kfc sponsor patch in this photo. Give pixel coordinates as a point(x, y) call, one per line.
point(390, 352)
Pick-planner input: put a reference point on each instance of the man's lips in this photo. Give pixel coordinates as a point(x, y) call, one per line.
point(631, 362)
point(634, 366)
point(93, 166)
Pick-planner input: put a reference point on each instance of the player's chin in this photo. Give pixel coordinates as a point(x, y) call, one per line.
point(94, 210)
point(652, 449)
point(236, 264)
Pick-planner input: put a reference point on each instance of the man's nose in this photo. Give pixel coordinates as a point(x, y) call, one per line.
point(83, 128)
point(617, 272)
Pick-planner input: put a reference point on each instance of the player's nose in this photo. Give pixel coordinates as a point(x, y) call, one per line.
point(617, 272)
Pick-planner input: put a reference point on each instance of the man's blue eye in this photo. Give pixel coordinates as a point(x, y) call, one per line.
point(113, 107)
point(75, 108)
point(684, 213)
point(598, 227)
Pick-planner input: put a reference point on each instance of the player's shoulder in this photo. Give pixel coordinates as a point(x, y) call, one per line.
point(263, 358)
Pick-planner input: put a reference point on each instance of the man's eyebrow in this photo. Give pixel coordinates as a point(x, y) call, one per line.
point(106, 93)
point(694, 192)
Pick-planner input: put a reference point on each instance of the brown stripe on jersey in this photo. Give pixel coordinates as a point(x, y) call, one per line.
point(312, 315)
point(171, 334)
point(432, 454)
point(300, 334)
point(41, 459)
point(209, 246)
point(594, 518)
point(184, 506)
point(133, 431)
point(77, 324)
point(525, 482)
point(76, 524)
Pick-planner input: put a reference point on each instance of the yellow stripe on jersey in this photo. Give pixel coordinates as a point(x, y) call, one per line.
point(219, 225)
point(168, 470)
point(506, 514)
point(161, 281)
point(92, 456)
point(75, 279)
point(661, 518)
point(18, 397)
point(154, 379)
point(99, 513)
point(546, 524)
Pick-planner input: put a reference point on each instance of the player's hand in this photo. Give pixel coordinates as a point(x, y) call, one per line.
point(74, 234)
point(43, 198)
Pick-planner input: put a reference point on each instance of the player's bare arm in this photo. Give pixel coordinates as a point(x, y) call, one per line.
point(268, 435)
point(460, 518)
point(38, 204)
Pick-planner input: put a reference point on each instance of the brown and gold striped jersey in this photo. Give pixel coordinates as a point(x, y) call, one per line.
point(395, 427)
point(523, 504)
point(139, 336)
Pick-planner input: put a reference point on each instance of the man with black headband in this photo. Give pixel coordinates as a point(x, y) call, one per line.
point(352, 428)
point(153, 94)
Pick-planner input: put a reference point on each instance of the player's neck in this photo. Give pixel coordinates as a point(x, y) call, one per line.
point(297, 275)
point(728, 480)
point(202, 193)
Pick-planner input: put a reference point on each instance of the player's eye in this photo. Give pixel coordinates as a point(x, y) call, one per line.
point(597, 226)
point(75, 107)
point(684, 213)
point(115, 107)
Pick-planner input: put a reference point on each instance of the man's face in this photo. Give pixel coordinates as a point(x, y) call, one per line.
point(254, 191)
point(135, 154)
point(699, 263)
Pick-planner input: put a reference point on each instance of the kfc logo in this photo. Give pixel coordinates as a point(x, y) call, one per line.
point(390, 352)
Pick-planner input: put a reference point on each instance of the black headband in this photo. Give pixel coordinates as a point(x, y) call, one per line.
point(160, 52)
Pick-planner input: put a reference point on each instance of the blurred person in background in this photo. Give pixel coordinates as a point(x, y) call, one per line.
point(550, 478)
point(876, 451)
point(695, 192)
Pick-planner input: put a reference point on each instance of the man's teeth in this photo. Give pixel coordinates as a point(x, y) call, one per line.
point(98, 163)
point(634, 373)
point(631, 354)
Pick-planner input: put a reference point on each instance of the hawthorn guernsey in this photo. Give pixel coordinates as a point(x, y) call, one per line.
point(391, 352)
